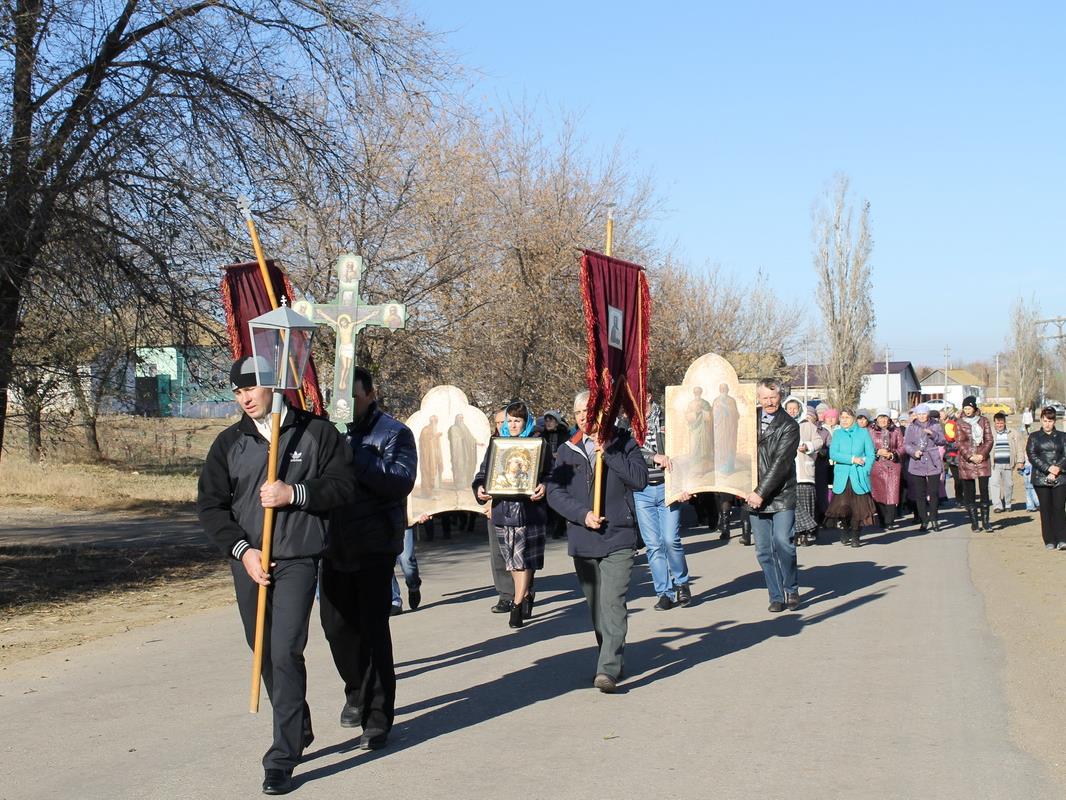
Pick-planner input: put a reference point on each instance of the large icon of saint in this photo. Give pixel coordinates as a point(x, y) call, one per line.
point(430, 459)
point(726, 419)
point(700, 432)
point(463, 447)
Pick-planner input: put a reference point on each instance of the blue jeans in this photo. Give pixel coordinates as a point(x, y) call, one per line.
point(775, 549)
point(660, 528)
point(409, 565)
point(1032, 502)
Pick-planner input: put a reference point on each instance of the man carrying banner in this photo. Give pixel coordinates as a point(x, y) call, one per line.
point(603, 546)
point(314, 476)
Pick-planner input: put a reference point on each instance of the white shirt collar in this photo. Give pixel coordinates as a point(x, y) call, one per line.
point(263, 425)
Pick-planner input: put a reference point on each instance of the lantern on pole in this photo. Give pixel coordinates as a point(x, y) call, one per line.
point(281, 349)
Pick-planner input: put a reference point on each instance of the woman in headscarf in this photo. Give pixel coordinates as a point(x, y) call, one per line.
point(885, 477)
point(852, 452)
point(922, 443)
point(809, 446)
point(520, 522)
point(974, 440)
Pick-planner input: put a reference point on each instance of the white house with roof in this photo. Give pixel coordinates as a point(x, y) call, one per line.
point(892, 384)
point(960, 385)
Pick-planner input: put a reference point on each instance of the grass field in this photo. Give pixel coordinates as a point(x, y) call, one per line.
point(149, 465)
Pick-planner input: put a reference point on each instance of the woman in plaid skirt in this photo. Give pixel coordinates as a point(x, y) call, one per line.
point(520, 521)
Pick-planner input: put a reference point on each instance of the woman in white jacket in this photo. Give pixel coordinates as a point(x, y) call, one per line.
point(810, 444)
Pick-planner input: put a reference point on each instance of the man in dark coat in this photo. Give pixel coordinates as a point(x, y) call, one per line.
point(366, 535)
point(314, 476)
point(602, 547)
point(773, 503)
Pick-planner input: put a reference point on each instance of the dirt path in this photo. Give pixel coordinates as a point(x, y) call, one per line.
point(1024, 586)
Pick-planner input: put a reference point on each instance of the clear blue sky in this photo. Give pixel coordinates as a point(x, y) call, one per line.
point(949, 117)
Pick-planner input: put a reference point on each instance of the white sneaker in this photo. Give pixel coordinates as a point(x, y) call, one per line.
point(1061, 546)
point(1050, 546)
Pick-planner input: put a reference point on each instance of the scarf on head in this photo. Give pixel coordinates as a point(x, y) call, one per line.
point(526, 431)
point(976, 431)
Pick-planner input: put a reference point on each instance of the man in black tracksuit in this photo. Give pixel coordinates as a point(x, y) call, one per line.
point(314, 476)
point(366, 535)
point(602, 547)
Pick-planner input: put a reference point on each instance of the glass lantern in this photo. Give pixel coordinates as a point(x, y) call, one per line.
point(281, 346)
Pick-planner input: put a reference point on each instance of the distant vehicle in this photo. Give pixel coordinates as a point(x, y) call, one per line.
point(1060, 409)
point(940, 405)
point(996, 408)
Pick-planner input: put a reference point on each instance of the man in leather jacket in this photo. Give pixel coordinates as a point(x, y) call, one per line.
point(773, 503)
point(365, 537)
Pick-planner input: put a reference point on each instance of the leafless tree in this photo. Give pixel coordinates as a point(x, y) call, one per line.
point(136, 121)
point(842, 265)
point(1028, 356)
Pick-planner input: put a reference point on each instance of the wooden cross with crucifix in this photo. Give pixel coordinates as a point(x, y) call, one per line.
point(348, 314)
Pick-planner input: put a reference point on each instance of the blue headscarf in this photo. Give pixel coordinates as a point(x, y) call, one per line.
point(526, 431)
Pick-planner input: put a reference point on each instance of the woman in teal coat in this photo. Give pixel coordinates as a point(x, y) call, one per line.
point(852, 451)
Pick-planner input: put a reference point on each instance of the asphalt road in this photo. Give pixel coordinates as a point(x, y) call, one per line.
point(887, 684)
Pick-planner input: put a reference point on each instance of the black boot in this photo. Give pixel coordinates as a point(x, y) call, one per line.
point(515, 620)
point(986, 525)
point(723, 528)
point(934, 523)
point(854, 539)
point(972, 511)
point(745, 531)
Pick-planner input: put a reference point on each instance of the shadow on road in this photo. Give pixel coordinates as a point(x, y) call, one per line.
point(677, 649)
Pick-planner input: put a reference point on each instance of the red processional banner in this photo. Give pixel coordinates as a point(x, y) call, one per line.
point(617, 312)
point(244, 297)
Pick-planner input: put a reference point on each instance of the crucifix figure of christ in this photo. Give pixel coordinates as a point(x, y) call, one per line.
point(348, 314)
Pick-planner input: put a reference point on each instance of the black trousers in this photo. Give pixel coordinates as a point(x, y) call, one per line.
point(289, 601)
point(969, 491)
point(501, 578)
point(887, 511)
point(921, 487)
point(1052, 512)
point(355, 610)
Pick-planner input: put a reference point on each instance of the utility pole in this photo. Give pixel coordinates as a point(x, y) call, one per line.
point(997, 377)
point(1059, 322)
point(806, 369)
point(887, 402)
point(947, 365)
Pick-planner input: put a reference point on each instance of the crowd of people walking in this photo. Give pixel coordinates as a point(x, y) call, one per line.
point(341, 523)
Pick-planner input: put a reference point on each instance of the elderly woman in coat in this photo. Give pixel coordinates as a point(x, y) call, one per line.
point(922, 443)
point(852, 452)
point(974, 440)
point(809, 447)
point(888, 468)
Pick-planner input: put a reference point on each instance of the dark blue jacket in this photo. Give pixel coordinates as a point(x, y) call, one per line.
point(570, 495)
point(516, 512)
point(384, 461)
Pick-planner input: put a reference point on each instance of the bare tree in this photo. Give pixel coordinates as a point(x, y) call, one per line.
point(841, 263)
point(135, 121)
point(1028, 357)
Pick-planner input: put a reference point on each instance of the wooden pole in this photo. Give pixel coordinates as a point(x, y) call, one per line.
point(268, 536)
point(597, 487)
point(245, 205)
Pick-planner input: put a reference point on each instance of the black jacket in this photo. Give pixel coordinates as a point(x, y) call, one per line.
point(384, 463)
point(311, 456)
point(517, 511)
point(1044, 450)
point(570, 495)
point(777, 463)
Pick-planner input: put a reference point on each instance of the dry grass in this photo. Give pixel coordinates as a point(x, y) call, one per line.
point(95, 486)
point(150, 465)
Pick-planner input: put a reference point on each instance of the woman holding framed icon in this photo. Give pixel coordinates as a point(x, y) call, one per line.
point(512, 477)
